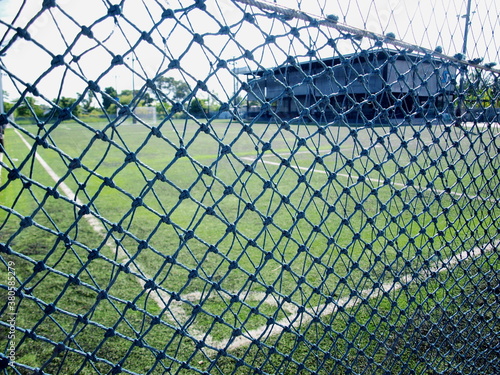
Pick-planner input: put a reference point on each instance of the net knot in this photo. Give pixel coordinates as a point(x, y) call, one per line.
point(131, 157)
point(197, 38)
point(225, 30)
point(110, 332)
point(52, 192)
point(13, 174)
point(226, 149)
point(117, 60)
point(64, 114)
point(200, 4)
point(177, 107)
point(184, 195)
point(150, 284)
point(22, 33)
point(168, 13)
point(114, 10)
point(75, 164)
point(181, 152)
point(50, 309)
point(57, 61)
point(222, 64)
point(146, 37)
point(249, 18)
point(94, 86)
point(84, 210)
point(86, 31)
point(4, 361)
point(109, 182)
point(137, 202)
point(48, 4)
point(26, 222)
point(39, 267)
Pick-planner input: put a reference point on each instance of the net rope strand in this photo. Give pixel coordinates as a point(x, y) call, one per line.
point(360, 33)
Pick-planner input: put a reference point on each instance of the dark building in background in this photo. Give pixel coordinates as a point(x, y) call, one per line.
point(369, 85)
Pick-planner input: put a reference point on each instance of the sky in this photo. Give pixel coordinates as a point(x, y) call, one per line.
point(427, 23)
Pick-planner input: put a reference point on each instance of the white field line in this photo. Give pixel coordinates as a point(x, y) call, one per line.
point(319, 311)
point(482, 124)
point(417, 187)
point(295, 320)
point(174, 311)
point(95, 224)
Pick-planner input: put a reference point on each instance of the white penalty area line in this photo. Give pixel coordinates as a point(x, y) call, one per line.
point(94, 223)
point(296, 320)
point(375, 180)
point(65, 188)
point(470, 124)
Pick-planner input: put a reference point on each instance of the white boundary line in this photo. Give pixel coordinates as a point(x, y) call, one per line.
point(95, 223)
point(173, 311)
point(65, 188)
point(417, 187)
point(297, 319)
point(294, 320)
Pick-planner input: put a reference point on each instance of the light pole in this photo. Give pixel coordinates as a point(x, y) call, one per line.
point(466, 30)
point(133, 78)
point(463, 68)
point(133, 86)
point(234, 76)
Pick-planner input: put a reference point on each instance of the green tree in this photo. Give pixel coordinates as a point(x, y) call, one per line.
point(494, 92)
point(172, 88)
point(29, 108)
point(107, 98)
point(86, 102)
point(5, 96)
point(494, 87)
point(126, 97)
point(481, 87)
point(65, 102)
point(198, 107)
point(162, 108)
point(7, 106)
point(147, 100)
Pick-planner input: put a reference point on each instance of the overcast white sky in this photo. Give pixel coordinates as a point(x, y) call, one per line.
point(425, 22)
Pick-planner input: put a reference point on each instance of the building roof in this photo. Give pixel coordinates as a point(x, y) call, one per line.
point(359, 57)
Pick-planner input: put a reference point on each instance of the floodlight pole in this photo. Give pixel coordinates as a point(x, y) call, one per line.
point(466, 30)
point(132, 57)
point(464, 53)
point(133, 85)
point(133, 76)
point(234, 76)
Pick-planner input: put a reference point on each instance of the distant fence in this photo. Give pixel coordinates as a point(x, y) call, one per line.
point(246, 186)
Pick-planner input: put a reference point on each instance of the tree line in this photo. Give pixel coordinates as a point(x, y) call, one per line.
point(480, 89)
point(168, 91)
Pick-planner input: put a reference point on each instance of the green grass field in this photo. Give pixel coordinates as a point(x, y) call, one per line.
point(208, 233)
